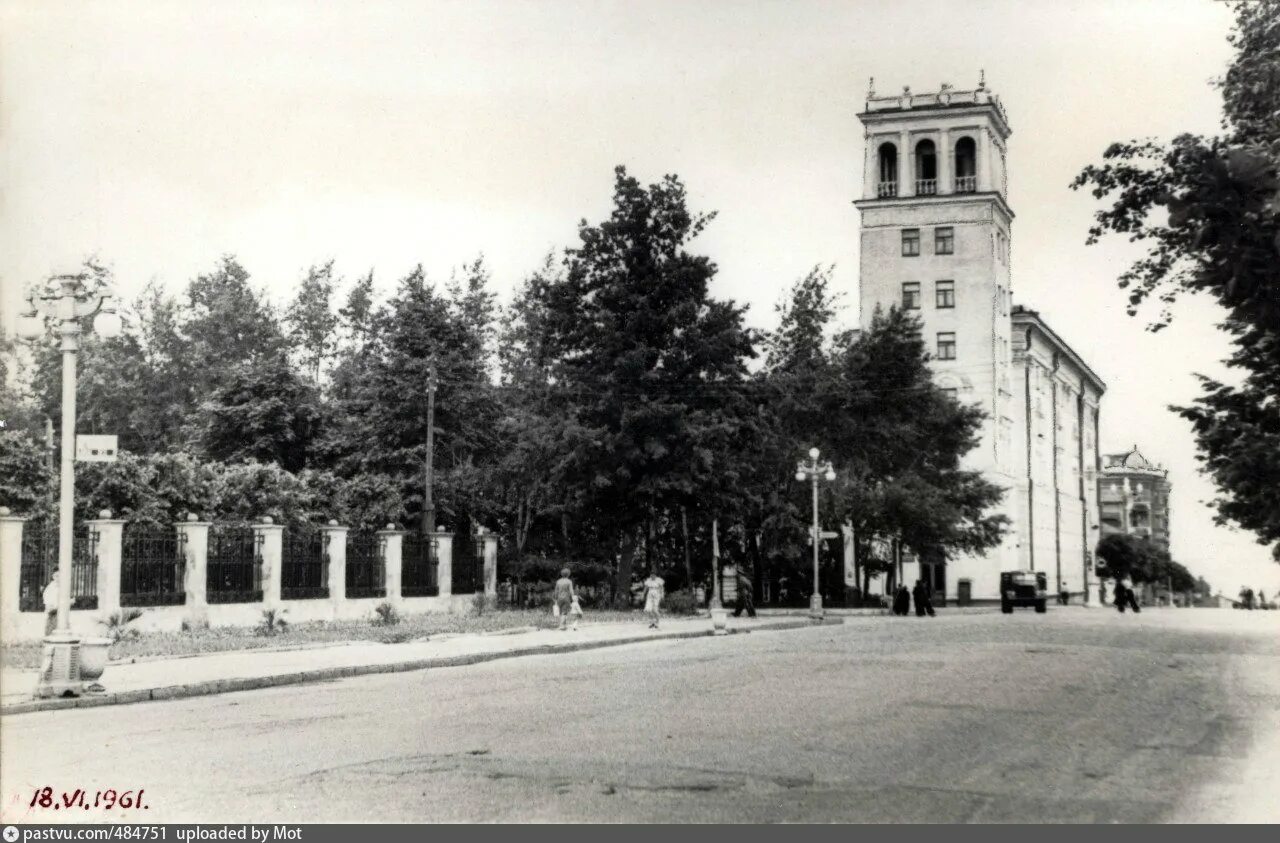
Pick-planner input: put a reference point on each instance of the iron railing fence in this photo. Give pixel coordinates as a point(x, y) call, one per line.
point(40, 559)
point(153, 566)
point(366, 572)
point(304, 563)
point(468, 566)
point(419, 567)
point(233, 571)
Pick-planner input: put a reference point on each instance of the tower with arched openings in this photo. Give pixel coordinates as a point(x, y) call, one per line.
point(935, 240)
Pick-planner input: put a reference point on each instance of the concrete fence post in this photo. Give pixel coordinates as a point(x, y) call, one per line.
point(392, 560)
point(110, 559)
point(10, 572)
point(444, 562)
point(337, 551)
point(272, 537)
point(196, 577)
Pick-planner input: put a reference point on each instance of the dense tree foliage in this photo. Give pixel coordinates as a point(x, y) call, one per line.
point(607, 414)
point(1208, 209)
point(1144, 562)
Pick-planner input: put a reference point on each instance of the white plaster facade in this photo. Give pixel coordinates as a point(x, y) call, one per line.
point(956, 277)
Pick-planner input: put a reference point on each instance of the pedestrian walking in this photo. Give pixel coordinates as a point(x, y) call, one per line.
point(653, 592)
point(564, 598)
point(902, 601)
point(50, 598)
point(745, 599)
point(1125, 596)
point(575, 611)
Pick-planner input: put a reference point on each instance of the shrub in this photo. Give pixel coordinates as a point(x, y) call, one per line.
point(272, 622)
point(682, 602)
point(384, 614)
point(117, 625)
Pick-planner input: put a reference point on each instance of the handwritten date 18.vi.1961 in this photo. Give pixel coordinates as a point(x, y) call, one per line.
point(103, 800)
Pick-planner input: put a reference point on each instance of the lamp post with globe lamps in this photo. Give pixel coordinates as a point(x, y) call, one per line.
point(72, 303)
point(812, 470)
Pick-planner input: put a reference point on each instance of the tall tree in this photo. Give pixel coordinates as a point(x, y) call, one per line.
point(647, 357)
point(310, 322)
point(1209, 211)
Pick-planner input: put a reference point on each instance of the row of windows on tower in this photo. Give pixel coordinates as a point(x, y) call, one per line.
point(965, 171)
point(944, 295)
point(944, 241)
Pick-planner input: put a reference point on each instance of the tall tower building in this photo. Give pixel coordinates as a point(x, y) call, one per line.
point(935, 241)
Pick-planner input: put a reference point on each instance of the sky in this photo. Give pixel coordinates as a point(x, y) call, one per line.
point(159, 136)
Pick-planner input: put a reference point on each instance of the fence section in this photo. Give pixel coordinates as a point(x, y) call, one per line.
point(366, 572)
point(234, 568)
point(304, 564)
point(40, 560)
point(152, 565)
point(419, 566)
point(468, 565)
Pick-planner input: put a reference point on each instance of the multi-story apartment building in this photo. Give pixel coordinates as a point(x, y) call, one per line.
point(935, 240)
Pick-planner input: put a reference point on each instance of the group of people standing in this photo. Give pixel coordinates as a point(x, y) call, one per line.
point(902, 600)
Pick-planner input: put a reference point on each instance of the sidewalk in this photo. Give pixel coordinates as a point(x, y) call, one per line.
point(162, 679)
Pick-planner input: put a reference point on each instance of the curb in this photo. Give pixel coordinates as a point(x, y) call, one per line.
point(226, 686)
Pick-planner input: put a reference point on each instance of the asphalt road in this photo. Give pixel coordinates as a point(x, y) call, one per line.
point(1077, 716)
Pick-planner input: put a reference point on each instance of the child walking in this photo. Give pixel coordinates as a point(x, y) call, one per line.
point(575, 612)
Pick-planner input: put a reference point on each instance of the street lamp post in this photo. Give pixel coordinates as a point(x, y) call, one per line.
point(72, 303)
point(428, 503)
point(812, 470)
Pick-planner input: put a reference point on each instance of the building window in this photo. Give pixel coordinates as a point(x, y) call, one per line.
point(944, 241)
point(966, 166)
point(926, 168)
point(951, 392)
point(888, 185)
point(946, 294)
point(947, 345)
point(910, 242)
point(911, 295)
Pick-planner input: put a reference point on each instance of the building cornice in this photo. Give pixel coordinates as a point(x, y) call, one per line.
point(937, 199)
point(1031, 318)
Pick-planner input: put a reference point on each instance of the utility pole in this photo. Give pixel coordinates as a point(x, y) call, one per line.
point(428, 503)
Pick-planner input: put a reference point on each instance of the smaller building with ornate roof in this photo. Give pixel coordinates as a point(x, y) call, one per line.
point(1133, 497)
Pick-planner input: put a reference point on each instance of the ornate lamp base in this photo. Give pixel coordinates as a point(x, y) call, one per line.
point(60, 670)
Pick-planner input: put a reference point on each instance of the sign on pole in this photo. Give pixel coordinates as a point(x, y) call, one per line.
point(96, 448)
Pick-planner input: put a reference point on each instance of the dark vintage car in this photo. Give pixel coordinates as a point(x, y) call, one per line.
point(1023, 588)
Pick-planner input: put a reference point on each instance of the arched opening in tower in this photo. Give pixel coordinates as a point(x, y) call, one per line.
point(926, 168)
point(966, 166)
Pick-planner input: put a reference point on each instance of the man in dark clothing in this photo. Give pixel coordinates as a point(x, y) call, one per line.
point(902, 601)
point(923, 602)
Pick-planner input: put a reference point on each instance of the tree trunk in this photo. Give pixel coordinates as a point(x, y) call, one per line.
point(688, 567)
point(622, 583)
point(648, 543)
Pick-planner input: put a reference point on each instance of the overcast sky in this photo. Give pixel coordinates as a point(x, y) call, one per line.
point(159, 136)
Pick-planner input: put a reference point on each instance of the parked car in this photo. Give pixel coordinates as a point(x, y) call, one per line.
point(1023, 588)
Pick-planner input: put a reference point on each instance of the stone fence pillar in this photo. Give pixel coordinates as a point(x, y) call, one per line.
point(490, 567)
point(444, 562)
point(392, 560)
point(337, 551)
point(196, 577)
point(110, 559)
point(272, 558)
point(10, 572)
